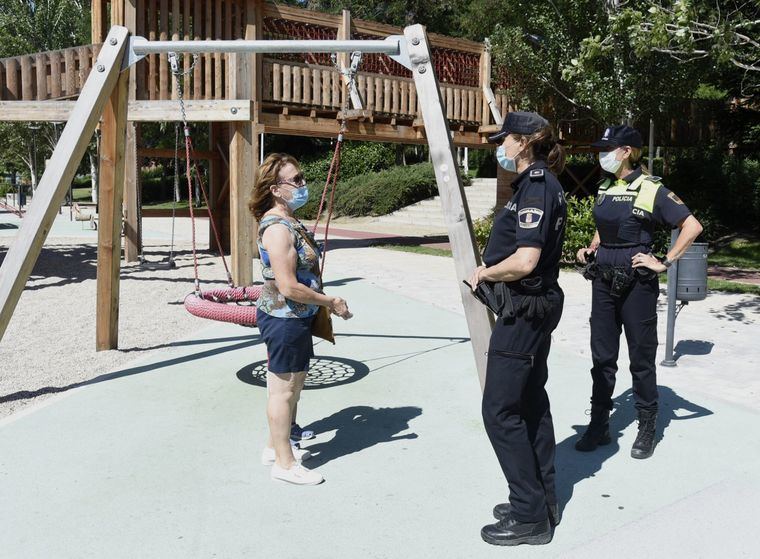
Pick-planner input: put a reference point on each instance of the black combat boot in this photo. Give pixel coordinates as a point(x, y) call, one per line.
point(510, 531)
point(503, 510)
point(643, 446)
point(598, 430)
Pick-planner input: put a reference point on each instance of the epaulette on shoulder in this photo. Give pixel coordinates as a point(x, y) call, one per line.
point(537, 175)
point(654, 179)
point(604, 183)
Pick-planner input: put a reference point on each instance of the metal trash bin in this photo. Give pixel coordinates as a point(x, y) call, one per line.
point(692, 274)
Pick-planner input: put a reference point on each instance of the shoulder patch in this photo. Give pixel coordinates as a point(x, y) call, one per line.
point(536, 174)
point(530, 218)
point(673, 196)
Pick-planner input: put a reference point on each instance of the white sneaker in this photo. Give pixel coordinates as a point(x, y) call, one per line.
point(268, 455)
point(297, 475)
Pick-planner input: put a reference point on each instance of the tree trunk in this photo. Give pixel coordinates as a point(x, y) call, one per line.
point(94, 177)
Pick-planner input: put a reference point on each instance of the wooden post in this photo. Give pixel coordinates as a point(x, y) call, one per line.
point(59, 173)
point(485, 82)
point(254, 30)
point(504, 189)
point(243, 160)
point(344, 34)
point(456, 213)
point(110, 199)
point(98, 20)
point(132, 229)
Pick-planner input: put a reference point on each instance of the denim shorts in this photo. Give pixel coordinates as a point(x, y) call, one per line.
point(288, 341)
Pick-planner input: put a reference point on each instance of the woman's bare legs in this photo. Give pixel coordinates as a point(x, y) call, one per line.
point(284, 390)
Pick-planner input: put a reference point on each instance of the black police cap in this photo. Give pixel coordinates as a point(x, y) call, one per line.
point(620, 135)
point(519, 122)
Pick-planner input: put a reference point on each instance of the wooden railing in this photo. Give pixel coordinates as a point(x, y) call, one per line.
point(293, 83)
point(46, 75)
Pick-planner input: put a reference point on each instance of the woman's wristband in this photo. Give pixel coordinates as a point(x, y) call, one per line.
point(665, 261)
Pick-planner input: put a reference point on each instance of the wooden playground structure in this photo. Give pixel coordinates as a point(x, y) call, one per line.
point(411, 88)
point(244, 84)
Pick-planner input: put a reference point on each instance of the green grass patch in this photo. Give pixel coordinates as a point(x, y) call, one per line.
point(82, 194)
point(739, 253)
point(181, 205)
point(417, 249)
point(732, 287)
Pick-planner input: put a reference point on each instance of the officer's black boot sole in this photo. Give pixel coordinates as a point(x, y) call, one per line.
point(532, 539)
point(641, 454)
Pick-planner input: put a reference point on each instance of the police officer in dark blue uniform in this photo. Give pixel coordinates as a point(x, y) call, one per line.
point(629, 205)
point(522, 263)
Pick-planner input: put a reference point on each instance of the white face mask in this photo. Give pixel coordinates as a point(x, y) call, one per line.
point(608, 161)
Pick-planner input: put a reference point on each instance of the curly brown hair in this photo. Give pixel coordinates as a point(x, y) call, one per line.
point(262, 199)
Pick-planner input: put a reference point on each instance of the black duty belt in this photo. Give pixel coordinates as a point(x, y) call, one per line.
point(623, 245)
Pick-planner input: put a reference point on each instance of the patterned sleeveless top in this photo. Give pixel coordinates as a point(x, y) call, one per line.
point(271, 301)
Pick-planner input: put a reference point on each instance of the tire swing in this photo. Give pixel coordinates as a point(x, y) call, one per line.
point(237, 304)
point(231, 304)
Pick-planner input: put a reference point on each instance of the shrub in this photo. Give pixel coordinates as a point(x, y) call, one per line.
point(580, 227)
point(378, 193)
point(578, 232)
point(722, 190)
point(482, 228)
point(356, 158)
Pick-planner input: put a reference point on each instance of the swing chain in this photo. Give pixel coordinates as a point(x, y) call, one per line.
point(174, 63)
point(350, 75)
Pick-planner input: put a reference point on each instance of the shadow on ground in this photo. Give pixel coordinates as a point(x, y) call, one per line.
point(573, 466)
point(692, 347)
point(247, 341)
point(358, 428)
point(746, 311)
point(77, 263)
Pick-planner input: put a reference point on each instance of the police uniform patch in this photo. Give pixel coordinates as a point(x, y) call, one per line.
point(529, 218)
point(600, 198)
point(537, 174)
point(675, 198)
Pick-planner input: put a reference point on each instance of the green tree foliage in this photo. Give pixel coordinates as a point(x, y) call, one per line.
point(437, 16)
point(28, 26)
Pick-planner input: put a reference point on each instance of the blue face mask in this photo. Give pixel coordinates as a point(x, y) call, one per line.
point(508, 164)
point(299, 197)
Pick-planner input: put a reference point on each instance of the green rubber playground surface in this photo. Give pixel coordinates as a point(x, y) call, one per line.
point(161, 457)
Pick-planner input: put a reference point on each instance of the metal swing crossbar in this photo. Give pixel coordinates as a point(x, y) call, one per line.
point(235, 304)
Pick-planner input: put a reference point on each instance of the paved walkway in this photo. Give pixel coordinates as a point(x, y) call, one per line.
point(160, 458)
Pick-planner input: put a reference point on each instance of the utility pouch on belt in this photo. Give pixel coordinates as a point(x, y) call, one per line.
point(590, 270)
point(496, 296)
point(620, 282)
point(535, 303)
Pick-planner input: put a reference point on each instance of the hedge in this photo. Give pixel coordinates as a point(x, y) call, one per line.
point(379, 193)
